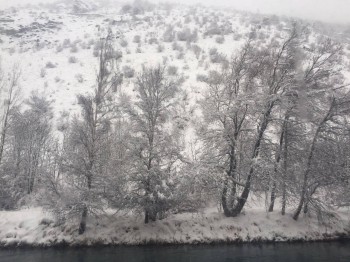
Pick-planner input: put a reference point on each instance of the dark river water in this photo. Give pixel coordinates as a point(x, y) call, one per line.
point(298, 252)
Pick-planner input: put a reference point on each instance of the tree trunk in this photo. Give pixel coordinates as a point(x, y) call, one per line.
point(284, 198)
point(276, 168)
point(224, 199)
point(308, 165)
point(228, 196)
point(82, 226)
point(273, 196)
point(256, 150)
point(306, 206)
point(146, 217)
point(284, 172)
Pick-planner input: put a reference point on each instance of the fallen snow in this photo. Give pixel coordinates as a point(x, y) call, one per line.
point(35, 227)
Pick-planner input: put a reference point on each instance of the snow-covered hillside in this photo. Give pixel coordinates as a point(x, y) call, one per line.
point(56, 48)
point(54, 45)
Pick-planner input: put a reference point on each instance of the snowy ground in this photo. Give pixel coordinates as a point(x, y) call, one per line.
point(35, 227)
point(43, 49)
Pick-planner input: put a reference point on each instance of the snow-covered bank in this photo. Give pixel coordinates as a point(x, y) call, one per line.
point(34, 227)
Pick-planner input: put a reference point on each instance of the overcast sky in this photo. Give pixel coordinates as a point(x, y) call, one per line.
point(337, 11)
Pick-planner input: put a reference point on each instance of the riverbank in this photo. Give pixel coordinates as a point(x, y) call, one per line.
point(37, 228)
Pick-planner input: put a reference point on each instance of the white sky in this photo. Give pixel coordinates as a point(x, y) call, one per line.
point(337, 11)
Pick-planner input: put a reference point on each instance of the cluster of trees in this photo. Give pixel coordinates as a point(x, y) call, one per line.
point(273, 120)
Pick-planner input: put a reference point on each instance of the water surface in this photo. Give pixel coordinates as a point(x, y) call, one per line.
point(296, 252)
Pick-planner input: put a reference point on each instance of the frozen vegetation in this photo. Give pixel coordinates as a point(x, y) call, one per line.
point(140, 123)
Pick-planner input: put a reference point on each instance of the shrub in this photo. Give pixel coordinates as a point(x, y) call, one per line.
point(96, 53)
point(187, 35)
point(196, 50)
point(59, 48)
point(74, 49)
point(160, 48)
point(152, 41)
point(180, 55)
point(220, 39)
point(177, 47)
point(169, 34)
point(50, 65)
point(172, 70)
point(79, 78)
point(91, 42)
point(43, 72)
point(66, 43)
point(123, 42)
point(215, 56)
point(187, 19)
point(72, 60)
point(137, 39)
point(237, 36)
point(202, 78)
point(128, 71)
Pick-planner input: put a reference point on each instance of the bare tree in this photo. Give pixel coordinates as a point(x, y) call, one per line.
point(226, 108)
point(322, 79)
point(9, 93)
point(156, 146)
point(87, 140)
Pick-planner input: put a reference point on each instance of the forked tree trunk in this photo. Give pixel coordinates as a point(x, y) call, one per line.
point(309, 160)
point(256, 150)
point(276, 168)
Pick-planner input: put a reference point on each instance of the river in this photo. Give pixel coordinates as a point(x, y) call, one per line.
point(286, 252)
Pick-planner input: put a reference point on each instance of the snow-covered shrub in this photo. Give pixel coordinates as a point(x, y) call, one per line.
point(220, 39)
point(72, 59)
point(97, 48)
point(202, 78)
point(79, 78)
point(172, 70)
point(215, 56)
point(12, 50)
point(196, 50)
point(180, 55)
point(59, 48)
point(123, 42)
point(137, 39)
point(187, 35)
point(169, 34)
point(237, 36)
point(96, 52)
point(126, 9)
point(74, 49)
point(66, 43)
point(49, 64)
point(128, 72)
point(213, 29)
point(91, 42)
point(177, 47)
point(152, 41)
point(42, 72)
point(160, 48)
